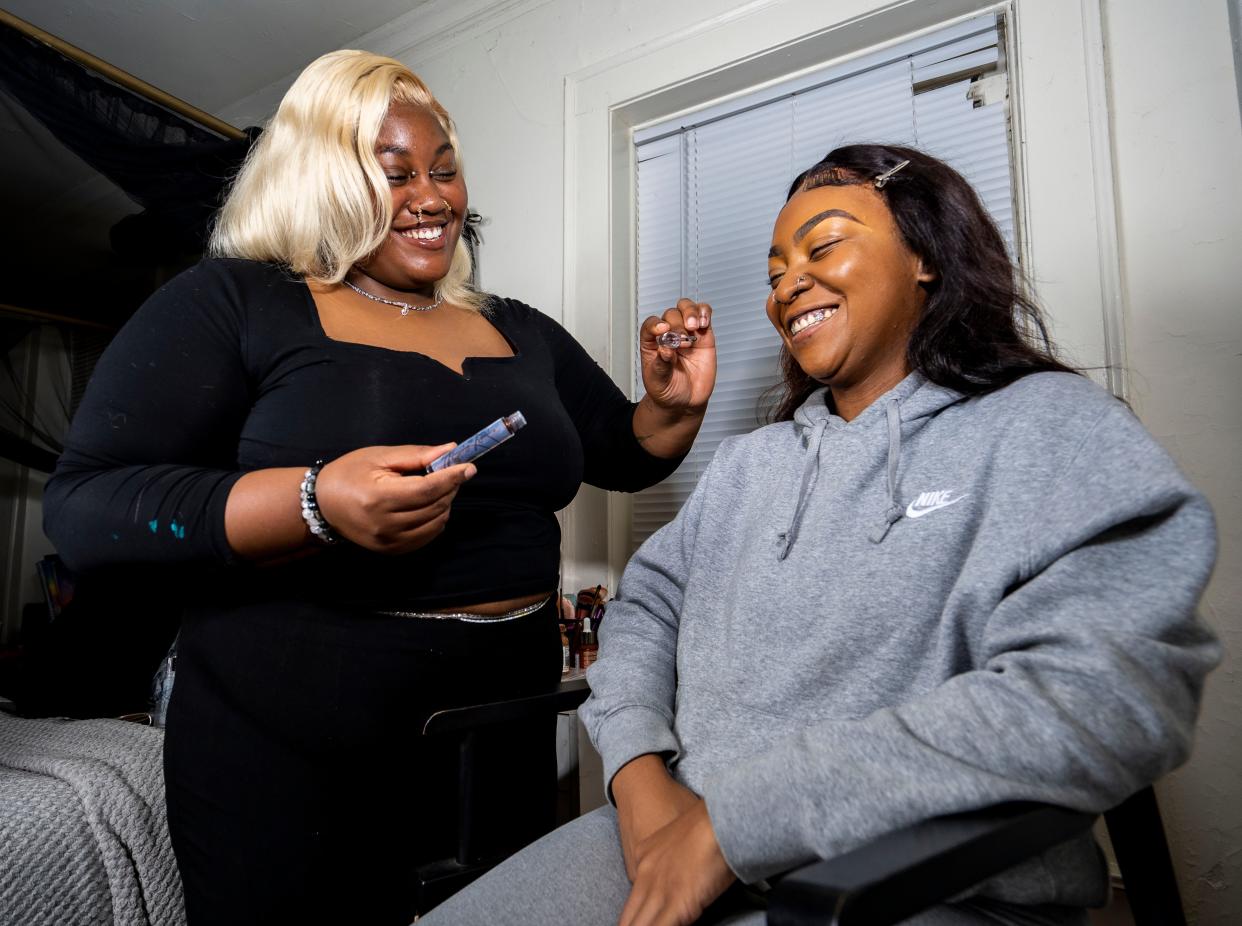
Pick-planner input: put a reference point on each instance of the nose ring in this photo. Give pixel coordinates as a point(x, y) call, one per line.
point(449, 207)
point(800, 281)
point(418, 211)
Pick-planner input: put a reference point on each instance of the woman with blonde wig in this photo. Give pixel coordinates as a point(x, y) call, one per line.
point(265, 424)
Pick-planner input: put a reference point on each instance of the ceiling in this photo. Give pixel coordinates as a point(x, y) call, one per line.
point(210, 53)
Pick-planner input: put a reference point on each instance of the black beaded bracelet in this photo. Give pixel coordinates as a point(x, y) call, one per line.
point(320, 528)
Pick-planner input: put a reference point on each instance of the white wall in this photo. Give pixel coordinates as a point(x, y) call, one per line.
point(1131, 152)
point(1178, 148)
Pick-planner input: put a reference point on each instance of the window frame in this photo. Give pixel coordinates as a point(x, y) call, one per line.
point(689, 172)
point(1064, 206)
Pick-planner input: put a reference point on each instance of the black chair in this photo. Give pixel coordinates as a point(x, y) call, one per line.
point(478, 846)
point(909, 870)
point(1137, 834)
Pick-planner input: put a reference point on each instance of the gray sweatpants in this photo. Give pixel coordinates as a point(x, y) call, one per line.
point(576, 876)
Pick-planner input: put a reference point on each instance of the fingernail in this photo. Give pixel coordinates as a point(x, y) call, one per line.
point(470, 471)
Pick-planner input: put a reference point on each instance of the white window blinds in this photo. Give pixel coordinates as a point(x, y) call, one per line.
point(709, 187)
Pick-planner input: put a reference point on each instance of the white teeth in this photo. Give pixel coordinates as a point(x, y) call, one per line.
point(814, 317)
point(428, 233)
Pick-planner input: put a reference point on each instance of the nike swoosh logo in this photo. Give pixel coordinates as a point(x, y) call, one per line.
point(917, 512)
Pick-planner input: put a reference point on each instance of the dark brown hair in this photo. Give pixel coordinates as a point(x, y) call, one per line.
point(979, 329)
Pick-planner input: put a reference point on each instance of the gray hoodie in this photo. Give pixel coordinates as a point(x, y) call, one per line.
point(942, 604)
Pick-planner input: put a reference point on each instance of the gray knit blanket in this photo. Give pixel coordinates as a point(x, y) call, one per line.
point(83, 829)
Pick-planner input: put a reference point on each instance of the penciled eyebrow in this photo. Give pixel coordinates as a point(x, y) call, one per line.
point(814, 220)
point(402, 150)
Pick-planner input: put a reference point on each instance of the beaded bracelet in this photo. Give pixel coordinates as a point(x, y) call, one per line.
point(320, 528)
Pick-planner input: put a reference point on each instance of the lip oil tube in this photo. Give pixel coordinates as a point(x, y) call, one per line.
point(675, 339)
point(478, 444)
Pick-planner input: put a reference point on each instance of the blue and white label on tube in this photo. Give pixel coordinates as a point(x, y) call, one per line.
point(478, 444)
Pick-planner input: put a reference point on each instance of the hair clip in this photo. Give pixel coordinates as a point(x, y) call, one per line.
point(888, 175)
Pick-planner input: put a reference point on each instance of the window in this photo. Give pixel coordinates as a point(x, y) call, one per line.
point(709, 186)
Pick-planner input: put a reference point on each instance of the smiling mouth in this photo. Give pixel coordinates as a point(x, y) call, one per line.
point(811, 318)
point(422, 232)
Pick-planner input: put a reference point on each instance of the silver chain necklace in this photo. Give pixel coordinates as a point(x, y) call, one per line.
point(405, 307)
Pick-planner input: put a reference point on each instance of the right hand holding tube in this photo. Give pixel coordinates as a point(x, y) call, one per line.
point(379, 499)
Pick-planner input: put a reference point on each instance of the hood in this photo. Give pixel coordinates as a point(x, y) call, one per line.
point(912, 399)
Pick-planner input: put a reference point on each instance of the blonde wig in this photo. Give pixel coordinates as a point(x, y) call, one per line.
point(311, 194)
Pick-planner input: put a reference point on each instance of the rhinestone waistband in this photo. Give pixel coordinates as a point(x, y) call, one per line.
point(468, 617)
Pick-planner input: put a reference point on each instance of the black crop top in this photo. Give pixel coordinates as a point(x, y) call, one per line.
point(226, 370)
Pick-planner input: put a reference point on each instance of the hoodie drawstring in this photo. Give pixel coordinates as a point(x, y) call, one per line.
point(810, 474)
point(892, 513)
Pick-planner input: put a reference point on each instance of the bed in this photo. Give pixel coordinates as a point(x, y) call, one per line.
point(83, 829)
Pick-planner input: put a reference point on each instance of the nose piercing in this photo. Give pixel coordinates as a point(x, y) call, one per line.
point(449, 207)
point(800, 280)
point(419, 213)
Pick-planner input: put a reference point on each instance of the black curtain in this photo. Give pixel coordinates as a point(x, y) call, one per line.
point(176, 170)
point(173, 168)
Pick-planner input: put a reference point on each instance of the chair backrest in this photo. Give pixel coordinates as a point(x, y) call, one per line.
point(480, 843)
point(1137, 834)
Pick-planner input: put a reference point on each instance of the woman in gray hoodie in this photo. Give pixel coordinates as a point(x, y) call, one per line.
point(952, 573)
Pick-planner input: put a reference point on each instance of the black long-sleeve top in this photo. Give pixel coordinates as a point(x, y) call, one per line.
point(227, 369)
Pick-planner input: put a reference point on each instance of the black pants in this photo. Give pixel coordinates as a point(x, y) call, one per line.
point(299, 788)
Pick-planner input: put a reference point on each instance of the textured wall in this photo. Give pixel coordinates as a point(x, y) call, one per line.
point(1178, 147)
